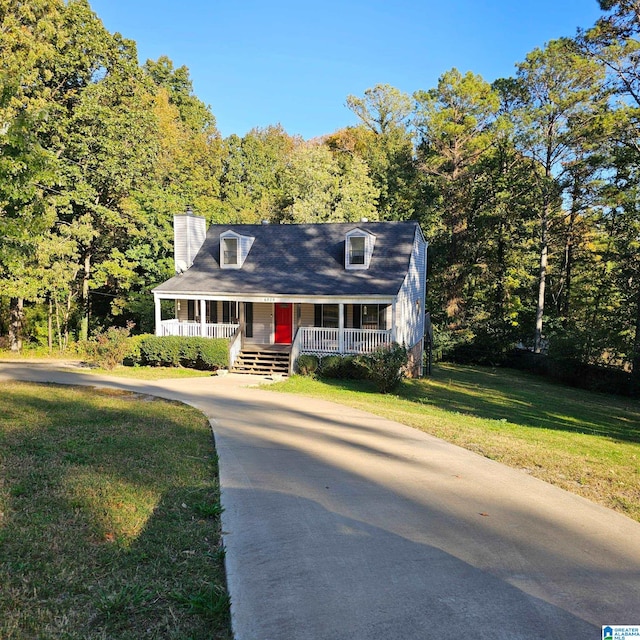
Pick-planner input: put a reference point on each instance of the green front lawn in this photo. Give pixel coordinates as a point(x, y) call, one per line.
point(584, 442)
point(109, 518)
point(150, 373)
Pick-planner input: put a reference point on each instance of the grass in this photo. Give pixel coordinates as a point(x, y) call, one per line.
point(138, 373)
point(584, 442)
point(109, 518)
point(150, 373)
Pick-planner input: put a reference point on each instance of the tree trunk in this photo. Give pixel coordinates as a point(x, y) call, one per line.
point(564, 300)
point(544, 249)
point(499, 302)
point(50, 326)
point(58, 329)
point(16, 321)
point(542, 278)
point(565, 308)
point(84, 325)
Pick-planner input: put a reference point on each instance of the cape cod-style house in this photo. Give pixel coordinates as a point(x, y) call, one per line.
point(277, 291)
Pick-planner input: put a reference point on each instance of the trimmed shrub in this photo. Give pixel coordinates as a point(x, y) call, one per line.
point(213, 353)
point(307, 364)
point(330, 367)
point(132, 357)
point(156, 351)
point(342, 368)
point(385, 367)
point(351, 369)
point(191, 352)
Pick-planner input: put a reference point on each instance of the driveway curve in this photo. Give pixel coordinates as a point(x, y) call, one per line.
point(341, 525)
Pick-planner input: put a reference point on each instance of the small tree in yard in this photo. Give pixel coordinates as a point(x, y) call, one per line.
point(385, 367)
point(109, 348)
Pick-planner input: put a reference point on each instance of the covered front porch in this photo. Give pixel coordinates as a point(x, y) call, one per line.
point(312, 326)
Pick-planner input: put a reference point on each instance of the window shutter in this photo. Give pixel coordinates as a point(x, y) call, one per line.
point(212, 311)
point(248, 319)
point(357, 316)
point(317, 315)
point(382, 317)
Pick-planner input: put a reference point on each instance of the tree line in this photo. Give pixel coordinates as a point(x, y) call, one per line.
point(526, 188)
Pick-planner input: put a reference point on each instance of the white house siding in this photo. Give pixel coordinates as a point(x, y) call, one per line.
point(183, 312)
point(262, 323)
point(307, 315)
point(388, 316)
point(410, 305)
point(348, 315)
point(244, 246)
point(218, 310)
point(189, 233)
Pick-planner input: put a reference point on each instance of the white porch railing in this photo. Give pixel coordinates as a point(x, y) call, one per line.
point(320, 340)
point(194, 329)
point(365, 340)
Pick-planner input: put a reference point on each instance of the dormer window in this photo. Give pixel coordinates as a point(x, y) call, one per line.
point(230, 251)
point(234, 249)
point(358, 249)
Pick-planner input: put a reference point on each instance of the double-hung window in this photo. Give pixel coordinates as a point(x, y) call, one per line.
point(230, 251)
point(370, 316)
point(326, 315)
point(229, 312)
point(356, 249)
point(234, 249)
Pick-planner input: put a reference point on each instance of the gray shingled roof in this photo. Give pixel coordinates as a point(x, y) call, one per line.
point(300, 259)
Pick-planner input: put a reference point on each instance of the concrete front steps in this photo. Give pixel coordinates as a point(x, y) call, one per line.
point(262, 362)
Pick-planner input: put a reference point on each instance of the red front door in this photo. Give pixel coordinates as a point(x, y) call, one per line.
point(283, 320)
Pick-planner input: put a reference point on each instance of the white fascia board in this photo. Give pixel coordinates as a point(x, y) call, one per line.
point(371, 299)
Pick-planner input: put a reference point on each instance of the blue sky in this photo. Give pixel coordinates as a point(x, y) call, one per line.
point(258, 63)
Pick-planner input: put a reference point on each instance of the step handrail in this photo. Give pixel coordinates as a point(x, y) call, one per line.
point(235, 346)
point(295, 351)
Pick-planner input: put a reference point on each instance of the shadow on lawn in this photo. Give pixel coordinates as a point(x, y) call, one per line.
point(111, 517)
point(527, 400)
point(170, 580)
point(518, 398)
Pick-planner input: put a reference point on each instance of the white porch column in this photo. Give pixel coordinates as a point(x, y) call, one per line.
point(393, 321)
point(158, 322)
point(203, 318)
point(341, 328)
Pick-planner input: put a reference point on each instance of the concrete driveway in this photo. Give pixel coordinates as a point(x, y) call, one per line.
point(340, 525)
